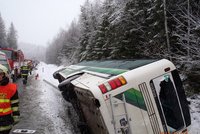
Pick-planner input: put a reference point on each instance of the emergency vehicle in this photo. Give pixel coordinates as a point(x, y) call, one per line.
point(4, 61)
point(16, 59)
point(126, 96)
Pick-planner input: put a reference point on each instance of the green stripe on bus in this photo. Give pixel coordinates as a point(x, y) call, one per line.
point(110, 71)
point(134, 97)
point(107, 70)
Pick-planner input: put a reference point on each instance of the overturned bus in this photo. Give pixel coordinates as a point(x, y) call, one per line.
point(126, 96)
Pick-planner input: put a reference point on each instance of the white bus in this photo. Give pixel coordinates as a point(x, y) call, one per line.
point(126, 96)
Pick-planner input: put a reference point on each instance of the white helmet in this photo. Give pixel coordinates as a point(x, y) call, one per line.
point(3, 69)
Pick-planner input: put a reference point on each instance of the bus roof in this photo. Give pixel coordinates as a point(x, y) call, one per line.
point(118, 64)
point(108, 67)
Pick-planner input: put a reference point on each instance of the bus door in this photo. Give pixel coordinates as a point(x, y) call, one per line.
point(119, 112)
point(168, 103)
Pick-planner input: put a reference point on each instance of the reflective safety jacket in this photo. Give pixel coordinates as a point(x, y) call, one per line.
point(24, 70)
point(9, 106)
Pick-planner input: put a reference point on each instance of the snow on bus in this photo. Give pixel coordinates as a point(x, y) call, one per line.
point(126, 96)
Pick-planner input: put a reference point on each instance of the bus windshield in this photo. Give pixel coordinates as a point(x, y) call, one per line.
point(170, 105)
point(171, 101)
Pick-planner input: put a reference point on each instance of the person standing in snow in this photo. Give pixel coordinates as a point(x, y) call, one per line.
point(9, 102)
point(24, 73)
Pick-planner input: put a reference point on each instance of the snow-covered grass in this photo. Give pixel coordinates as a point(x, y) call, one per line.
point(46, 71)
point(195, 114)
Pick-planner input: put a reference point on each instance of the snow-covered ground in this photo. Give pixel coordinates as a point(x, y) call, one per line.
point(42, 107)
point(195, 114)
point(46, 71)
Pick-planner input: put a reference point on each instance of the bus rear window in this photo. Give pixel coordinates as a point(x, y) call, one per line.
point(182, 97)
point(170, 104)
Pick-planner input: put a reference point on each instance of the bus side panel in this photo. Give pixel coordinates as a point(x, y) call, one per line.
point(138, 117)
point(152, 112)
point(137, 106)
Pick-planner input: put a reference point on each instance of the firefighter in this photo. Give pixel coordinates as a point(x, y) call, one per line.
point(24, 73)
point(9, 102)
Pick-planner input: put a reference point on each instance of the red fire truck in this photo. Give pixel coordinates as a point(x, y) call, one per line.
point(16, 59)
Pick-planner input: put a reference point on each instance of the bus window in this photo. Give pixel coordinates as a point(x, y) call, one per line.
point(170, 105)
point(182, 97)
point(167, 100)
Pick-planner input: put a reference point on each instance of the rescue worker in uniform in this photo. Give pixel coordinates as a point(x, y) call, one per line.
point(9, 102)
point(24, 73)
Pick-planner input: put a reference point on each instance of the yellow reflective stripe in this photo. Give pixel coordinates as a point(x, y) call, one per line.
point(5, 110)
point(14, 101)
point(15, 109)
point(4, 100)
point(3, 128)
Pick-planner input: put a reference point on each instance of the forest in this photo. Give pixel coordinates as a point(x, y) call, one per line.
point(132, 29)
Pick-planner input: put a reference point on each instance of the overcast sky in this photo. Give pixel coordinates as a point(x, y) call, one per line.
point(38, 21)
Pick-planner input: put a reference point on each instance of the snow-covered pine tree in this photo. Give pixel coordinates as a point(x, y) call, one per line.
point(3, 42)
point(54, 47)
point(85, 32)
point(103, 37)
point(70, 48)
point(157, 44)
point(94, 20)
point(12, 37)
point(130, 29)
point(187, 41)
point(114, 40)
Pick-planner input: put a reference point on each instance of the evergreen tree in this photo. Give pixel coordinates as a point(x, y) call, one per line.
point(3, 42)
point(53, 50)
point(94, 20)
point(187, 44)
point(85, 31)
point(129, 31)
point(12, 37)
point(157, 44)
point(102, 45)
point(70, 45)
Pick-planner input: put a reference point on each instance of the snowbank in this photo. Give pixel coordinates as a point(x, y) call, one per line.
point(45, 72)
point(195, 114)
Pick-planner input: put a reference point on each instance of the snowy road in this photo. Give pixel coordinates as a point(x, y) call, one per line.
point(43, 108)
